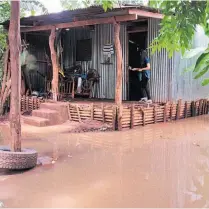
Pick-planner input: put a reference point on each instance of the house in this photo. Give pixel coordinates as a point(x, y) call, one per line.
point(87, 37)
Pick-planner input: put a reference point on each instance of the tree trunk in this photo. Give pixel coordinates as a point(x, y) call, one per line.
point(119, 58)
point(55, 78)
point(15, 44)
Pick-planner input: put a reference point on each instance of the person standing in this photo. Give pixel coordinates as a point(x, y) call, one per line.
point(144, 77)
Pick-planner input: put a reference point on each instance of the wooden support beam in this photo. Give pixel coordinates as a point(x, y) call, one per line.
point(142, 13)
point(119, 58)
point(109, 20)
point(55, 78)
point(178, 110)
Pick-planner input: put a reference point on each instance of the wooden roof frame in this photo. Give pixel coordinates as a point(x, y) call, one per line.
point(132, 14)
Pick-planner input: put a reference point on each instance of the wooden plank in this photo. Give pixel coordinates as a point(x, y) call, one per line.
point(78, 112)
point(108, 20)
point(92, 111)
point(143, 13)
point(68, 109)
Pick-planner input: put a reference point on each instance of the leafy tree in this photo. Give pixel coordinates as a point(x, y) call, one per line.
point(178, 28)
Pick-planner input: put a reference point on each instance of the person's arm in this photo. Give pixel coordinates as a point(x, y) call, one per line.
point(147, 67)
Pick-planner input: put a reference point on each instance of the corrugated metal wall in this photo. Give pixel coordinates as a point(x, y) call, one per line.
point(161, 67)
point(101, 35)
point(185, 86)
point(167, 79)
point(38, 48)
point(104, 34)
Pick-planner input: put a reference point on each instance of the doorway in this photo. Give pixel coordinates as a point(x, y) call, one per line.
point(137, 42)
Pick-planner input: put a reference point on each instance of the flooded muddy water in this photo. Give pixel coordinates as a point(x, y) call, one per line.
point(161, 165)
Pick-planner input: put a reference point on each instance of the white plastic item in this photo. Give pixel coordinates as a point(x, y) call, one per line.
point(79, 85)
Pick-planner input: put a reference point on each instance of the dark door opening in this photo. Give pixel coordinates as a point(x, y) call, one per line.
point(137, 42)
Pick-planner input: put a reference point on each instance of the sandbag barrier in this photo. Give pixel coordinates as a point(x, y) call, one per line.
point(30, 103)
point(134, 115)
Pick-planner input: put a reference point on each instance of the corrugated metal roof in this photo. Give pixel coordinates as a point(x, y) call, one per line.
point(78, 14)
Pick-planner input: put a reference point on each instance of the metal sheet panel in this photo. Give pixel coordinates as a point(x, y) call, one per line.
point(101, 35)
point(167, 79)
point(161, 67)
point(185, 86)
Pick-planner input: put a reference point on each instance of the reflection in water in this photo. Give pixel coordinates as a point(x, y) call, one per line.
point(152, 166)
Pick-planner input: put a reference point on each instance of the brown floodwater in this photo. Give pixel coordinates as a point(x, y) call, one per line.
point(161, 165)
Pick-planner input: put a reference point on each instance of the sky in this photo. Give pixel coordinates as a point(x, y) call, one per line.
point(52, 5)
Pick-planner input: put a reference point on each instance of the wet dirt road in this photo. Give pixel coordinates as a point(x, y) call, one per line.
point(162, 165)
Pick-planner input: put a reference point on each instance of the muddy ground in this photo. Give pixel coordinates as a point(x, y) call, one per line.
point(159, 165)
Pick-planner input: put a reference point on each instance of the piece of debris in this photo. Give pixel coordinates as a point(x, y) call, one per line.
point(92, 126)
point(195, 144)
point(1, 204)
point(44, 160)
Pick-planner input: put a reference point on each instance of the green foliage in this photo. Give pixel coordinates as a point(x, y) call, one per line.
point(205, 82)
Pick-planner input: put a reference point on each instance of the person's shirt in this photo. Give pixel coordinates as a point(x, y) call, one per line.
point(146, 72)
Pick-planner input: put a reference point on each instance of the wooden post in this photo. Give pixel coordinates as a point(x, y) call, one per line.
point(114, 117)
point(186, 110)
point(15, 45)
point(165, 112)
point(178, 110)
point(55, 78)
point(73, 89)
point(171, 111)
point(143, 117)
point(118, 89)
point(193, 109)
point(103, 113)
point(155, 114)
point(132, 116)
point(200, 107)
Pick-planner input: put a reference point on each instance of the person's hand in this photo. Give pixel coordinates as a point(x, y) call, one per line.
point(130, 68)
